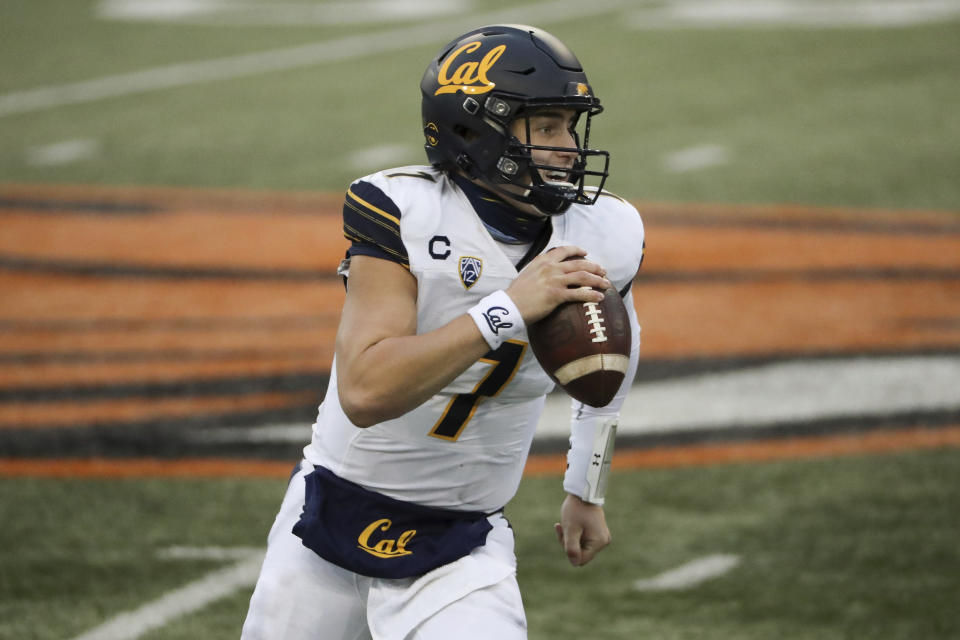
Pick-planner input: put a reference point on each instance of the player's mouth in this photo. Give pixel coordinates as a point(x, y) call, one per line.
point(554, 177)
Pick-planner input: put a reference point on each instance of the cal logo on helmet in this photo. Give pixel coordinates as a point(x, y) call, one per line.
point(470, 76)
point(470, 269)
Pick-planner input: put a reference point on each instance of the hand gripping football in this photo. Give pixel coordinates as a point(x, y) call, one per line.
point(585, 347)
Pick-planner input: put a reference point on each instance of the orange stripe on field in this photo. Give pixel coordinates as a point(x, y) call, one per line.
point(537, 465)
point(143, 468)
point(765, 450)
point(66, 415)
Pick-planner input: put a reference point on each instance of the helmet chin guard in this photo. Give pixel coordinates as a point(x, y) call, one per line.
point(518, 168)
point(480, 84)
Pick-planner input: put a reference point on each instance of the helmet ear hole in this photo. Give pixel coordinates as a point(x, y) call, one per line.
point(467, 135)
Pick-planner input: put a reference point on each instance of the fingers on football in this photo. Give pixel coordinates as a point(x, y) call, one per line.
point(565, 252)
point(584, 273)
point(583, 287)
point(582, 264)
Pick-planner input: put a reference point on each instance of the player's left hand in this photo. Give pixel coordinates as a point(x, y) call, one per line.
point(582, 530)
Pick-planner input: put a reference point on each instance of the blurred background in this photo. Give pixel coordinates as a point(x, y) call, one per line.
point(171, 175)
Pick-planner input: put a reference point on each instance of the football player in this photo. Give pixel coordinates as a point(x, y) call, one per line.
point(393, 526)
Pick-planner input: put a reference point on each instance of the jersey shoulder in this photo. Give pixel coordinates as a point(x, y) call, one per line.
point(612, 214)
point(374, 206)
point(612, 231)
point(401, 183)
point(609, 203)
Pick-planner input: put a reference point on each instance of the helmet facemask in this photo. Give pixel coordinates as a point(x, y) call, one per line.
point(551, 188)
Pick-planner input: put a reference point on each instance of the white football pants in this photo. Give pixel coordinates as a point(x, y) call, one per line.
point(300, 596)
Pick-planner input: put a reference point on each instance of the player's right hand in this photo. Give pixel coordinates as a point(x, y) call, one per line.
point(562, 274)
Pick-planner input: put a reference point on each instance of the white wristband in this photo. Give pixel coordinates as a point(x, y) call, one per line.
point(497, 318)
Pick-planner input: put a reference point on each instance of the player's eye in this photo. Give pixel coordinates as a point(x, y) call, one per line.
point(551, 128)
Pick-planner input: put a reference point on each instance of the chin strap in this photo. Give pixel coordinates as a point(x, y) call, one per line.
point(553, 203)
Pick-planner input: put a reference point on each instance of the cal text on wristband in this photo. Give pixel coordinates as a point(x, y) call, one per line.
point(497, 318)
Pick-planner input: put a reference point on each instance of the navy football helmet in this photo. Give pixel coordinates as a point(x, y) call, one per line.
point(485, 79)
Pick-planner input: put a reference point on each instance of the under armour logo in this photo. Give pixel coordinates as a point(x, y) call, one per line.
point(494, 318)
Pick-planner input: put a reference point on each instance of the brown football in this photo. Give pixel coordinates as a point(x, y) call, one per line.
point(585, 347)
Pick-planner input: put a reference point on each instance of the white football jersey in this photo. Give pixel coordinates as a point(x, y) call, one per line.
point(465, 448)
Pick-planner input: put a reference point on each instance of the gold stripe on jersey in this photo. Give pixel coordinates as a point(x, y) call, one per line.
point(418, 174)
point(371, 221)
point(604, 192)
point(393, 229)
point(371, 208)
point(356, 236)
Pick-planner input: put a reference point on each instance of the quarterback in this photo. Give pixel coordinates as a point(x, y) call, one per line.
point(393, 524)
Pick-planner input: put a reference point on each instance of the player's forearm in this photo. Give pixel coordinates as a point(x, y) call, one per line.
point(593, 431)
point(399, 373)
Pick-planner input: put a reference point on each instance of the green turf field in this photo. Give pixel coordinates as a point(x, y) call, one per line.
point(839, 116)
point(852, 115)
point(861, 547)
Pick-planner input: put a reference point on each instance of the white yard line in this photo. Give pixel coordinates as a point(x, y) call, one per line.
point(276, 433)
point(295, 14)
point(691, 574)
point(695, 158)
point(64, 152)
point(740, 14)
point(784, 392)
point(187, 599)
point(383, 156)
point(803, 391)
point(210, 553)
point(347, 48)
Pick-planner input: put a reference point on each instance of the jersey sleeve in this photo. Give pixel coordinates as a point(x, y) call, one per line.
point(371, 222)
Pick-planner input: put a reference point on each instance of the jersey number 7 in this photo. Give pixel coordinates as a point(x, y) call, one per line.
point(505, 360)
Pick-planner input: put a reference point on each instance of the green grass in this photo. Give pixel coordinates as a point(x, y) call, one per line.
point(78, 551)
point(861, 547)
point(837, 548)
point(859, 117)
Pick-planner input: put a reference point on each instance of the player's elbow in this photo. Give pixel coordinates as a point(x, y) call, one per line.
point(363, 408)
point(358, 412)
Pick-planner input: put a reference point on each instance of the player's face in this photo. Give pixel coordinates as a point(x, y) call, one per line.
point(550, 128)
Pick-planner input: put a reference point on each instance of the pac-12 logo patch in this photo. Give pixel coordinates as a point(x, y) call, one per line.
point(470, 270)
